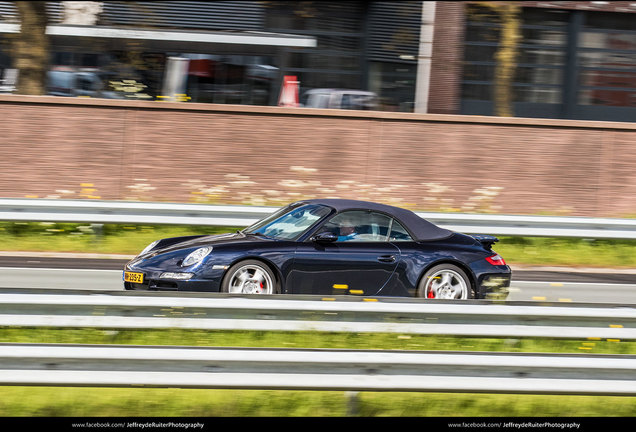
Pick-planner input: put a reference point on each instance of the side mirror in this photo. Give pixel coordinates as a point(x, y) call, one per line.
point(325, 237)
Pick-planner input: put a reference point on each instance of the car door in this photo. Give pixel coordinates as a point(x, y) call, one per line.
point(359, 260)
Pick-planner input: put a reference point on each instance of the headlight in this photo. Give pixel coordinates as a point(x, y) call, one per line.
point(196, 256)
point(149, 247)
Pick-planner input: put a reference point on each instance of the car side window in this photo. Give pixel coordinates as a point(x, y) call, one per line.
point(398, 233)
point(359, 226)
point(318, 100)
point(347, 102)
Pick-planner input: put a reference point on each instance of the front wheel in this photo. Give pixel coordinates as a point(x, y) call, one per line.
point(249, 277)
point(445, 281)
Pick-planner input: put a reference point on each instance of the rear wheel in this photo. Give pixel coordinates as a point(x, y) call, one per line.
point(250, 277)
point(445, 281)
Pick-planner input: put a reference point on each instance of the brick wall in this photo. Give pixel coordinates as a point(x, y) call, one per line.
point(113, 150)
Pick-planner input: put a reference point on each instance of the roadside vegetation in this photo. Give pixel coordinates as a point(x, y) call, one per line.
point(173, 402)
point(130, 239)
point(313, 340)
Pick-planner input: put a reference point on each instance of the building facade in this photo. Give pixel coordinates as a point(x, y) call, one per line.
point(239, 51)
point(572, 60)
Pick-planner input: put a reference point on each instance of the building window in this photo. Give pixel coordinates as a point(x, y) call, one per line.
point(570, 64)
point(607, 60)
point(336, 60)
point(540, 58)
point(394, 83)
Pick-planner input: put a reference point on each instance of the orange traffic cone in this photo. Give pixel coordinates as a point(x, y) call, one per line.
point(289, 92)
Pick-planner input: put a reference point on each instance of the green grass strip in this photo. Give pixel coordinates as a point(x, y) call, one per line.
point(150, 402)
point(298, 340)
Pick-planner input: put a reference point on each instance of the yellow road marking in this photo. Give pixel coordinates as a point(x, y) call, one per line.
point(340, 286)
point(556, 284)
point(356, 292)
point(538, 298)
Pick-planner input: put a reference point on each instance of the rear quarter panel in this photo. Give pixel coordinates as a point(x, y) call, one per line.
point(417, 257)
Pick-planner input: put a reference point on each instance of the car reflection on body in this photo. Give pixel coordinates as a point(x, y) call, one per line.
point(328, 246)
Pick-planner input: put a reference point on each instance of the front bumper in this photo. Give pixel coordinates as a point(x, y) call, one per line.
point(152, 281)
point(171, 285)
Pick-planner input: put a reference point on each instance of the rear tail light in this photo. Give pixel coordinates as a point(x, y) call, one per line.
point(496, 260)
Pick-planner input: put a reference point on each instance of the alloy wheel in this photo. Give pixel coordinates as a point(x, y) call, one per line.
point(251, 279)
point(446, 284)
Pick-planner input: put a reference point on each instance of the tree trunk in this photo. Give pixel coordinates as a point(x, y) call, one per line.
point(506, 59)
point(506, 56)
point(32, 48)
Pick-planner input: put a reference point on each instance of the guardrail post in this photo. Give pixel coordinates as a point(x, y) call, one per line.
point(352, 403)
point(98, 233)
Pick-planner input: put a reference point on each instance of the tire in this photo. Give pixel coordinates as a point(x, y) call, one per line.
point(250, 277)
point(445, 281)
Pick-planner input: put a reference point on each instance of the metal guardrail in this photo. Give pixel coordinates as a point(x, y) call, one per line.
point(315, 369)
point(139, 310)
point(91, 211)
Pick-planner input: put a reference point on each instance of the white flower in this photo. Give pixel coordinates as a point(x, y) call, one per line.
point(302, 169)
point(292, 183)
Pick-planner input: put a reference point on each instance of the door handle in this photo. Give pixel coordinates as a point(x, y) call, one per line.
point(386, 258)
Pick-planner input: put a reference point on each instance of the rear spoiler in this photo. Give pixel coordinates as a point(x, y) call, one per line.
point(486, 240)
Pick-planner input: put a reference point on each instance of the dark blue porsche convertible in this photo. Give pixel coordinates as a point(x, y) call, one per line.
point(328, 247)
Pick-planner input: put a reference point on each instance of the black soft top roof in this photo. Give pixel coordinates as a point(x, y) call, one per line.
point(419, 228)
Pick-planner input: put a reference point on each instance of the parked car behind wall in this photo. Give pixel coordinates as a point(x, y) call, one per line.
point(340, 99)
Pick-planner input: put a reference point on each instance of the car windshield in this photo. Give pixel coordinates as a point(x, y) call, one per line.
point(290, 222)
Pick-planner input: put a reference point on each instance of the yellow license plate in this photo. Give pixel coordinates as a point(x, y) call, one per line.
point(134, 277)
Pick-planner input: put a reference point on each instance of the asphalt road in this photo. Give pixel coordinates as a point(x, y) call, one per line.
point(527, 285)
